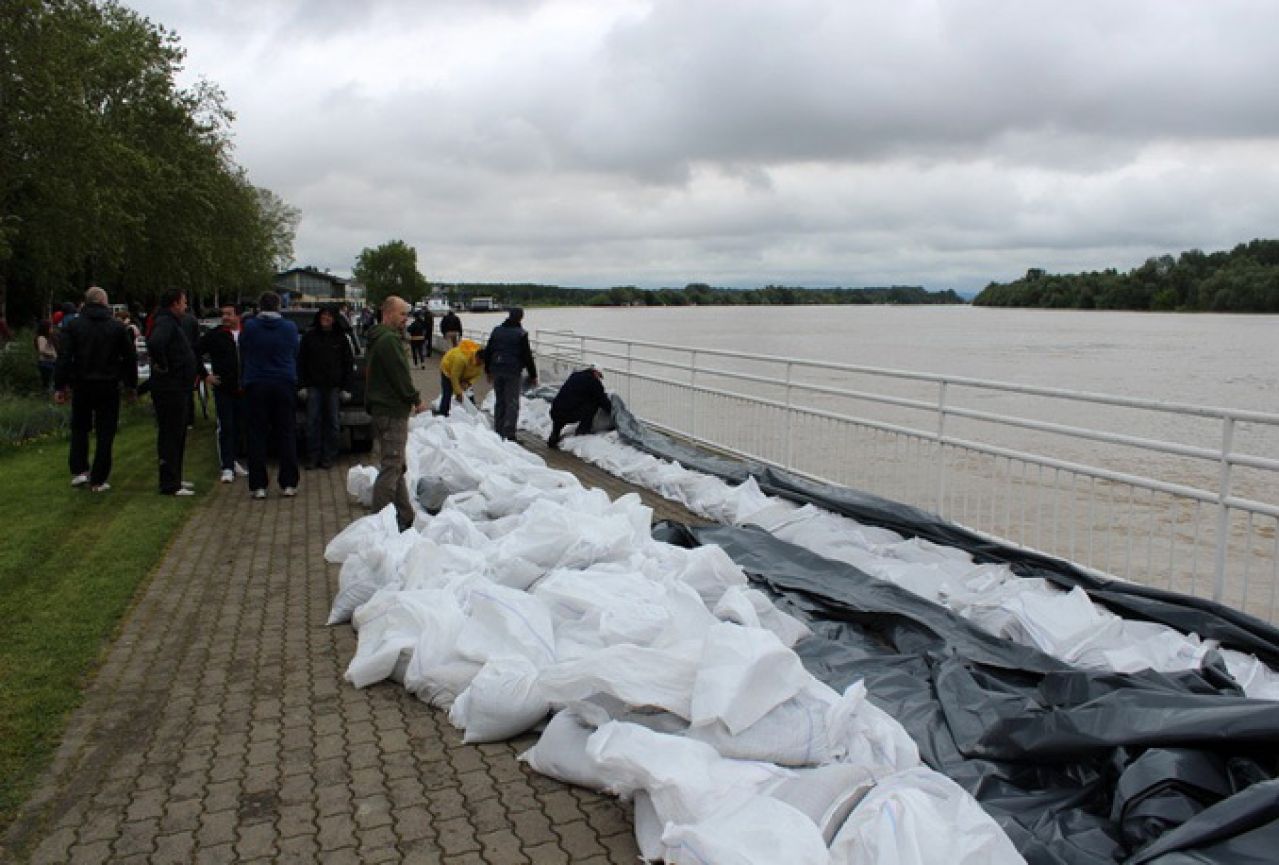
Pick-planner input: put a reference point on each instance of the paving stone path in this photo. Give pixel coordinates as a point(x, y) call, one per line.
point(220, 729)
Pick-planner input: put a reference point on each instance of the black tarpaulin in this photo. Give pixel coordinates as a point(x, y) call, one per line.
point(1077, 766)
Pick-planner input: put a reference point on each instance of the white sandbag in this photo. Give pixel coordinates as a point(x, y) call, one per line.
point(430, 565)
point(359, 483)
point(743, 501)
point(865, 735)
point(505, 622)
point(797, 732)
point(436, 673)
point(1257, 680)
point(360, 578)
point(743, 674)
point(560, 752)
point(454, 469)
point(389, 625)
point(502, 701)
point(506, 497)
point(469, 502)
point(759, 831)
point(636, 675)
point(920, 817)
point(648, 829)
point(825, 794)
point(710, 571)
point(362, 534)
point(752, 608)
point(687, 780)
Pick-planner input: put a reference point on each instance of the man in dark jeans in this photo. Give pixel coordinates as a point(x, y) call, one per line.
point(269, 348)
point(173, 373)
point(95, 358)
point(326, 366)
point(507, 354)
point(222, 346)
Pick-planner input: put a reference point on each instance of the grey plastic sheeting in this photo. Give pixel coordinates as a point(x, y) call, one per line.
point(1077, 766)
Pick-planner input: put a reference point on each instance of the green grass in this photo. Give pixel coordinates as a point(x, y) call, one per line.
point(71, 563)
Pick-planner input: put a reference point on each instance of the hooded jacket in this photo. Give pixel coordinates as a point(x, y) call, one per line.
point(325, 358)
point(96, 347)
point(173, 363)
point(269, 349)
point(390, 391)
point(462, 365)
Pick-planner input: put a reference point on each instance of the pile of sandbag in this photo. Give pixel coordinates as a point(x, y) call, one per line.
point(1065, 624)
point(519, 599)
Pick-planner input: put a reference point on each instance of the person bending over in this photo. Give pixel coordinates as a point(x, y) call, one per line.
point(580, 397)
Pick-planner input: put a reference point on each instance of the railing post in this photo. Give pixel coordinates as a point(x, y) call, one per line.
point(692, 396)
point(790, 421)
point(629, 346)
point(1223, 512)
point(941, 451)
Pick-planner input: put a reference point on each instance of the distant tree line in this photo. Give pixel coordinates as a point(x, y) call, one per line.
point(1245, 279)
point(111, 174)
point(695, 294)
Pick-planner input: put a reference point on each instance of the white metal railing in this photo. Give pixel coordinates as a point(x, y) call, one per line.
point(1174, 495)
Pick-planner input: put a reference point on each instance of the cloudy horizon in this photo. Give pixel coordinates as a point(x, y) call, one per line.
point(746, 142)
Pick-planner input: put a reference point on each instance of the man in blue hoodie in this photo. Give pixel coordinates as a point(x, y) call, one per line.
point(269, 352)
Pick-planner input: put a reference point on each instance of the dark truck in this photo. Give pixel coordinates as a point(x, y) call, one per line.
point(357, 426)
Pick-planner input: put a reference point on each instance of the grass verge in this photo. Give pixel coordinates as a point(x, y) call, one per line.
point(71, 563)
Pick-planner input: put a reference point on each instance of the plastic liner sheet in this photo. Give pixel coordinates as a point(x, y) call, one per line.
point(1077, 767)
point(1232, 628)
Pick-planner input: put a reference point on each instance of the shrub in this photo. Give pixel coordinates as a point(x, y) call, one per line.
point(18, 373)
point(27, 417)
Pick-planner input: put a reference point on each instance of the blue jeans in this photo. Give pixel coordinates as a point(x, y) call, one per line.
point(323, 423)
point(230, 411)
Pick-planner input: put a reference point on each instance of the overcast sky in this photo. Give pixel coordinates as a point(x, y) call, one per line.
point(944, 143)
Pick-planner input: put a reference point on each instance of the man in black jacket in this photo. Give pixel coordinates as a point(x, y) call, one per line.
point(580, 397)
point(95, 357)
point(173, 373)
point(222, 346)
point(506, 355)
point(326, 364)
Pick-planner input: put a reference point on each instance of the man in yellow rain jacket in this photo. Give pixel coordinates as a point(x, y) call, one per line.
point(459, 369)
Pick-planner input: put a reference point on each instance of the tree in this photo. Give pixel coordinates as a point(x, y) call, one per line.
point(390, 269)
point(110, 173)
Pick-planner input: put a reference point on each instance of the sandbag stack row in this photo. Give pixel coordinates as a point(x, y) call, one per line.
point(661, 676)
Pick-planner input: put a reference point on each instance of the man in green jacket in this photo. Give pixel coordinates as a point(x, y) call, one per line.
point(391, 398)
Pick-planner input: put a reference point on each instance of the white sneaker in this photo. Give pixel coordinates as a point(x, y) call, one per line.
point(241, 471)
point(289, 492)
point(80, 479)
point(100, 488)
point(258, 494)
point(187, 485)
point(185, 491)
point(227, 476)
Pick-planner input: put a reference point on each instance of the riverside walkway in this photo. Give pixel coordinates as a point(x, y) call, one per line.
point(219, 727)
